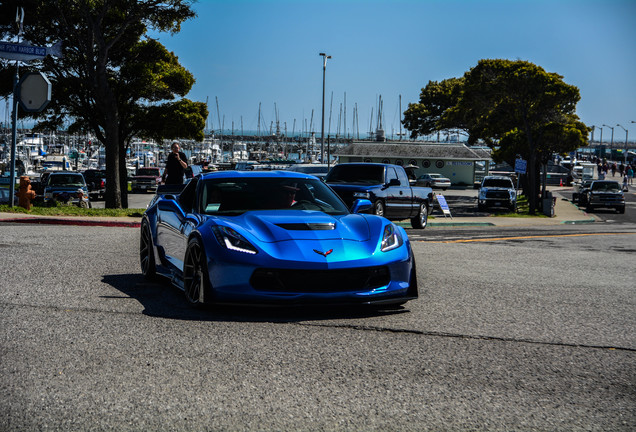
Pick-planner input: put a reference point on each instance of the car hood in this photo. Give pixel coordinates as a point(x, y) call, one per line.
point(64, 188)
point(490, 188)
point(270, 227)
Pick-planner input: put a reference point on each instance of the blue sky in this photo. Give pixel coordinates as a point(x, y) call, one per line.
point(246, 52)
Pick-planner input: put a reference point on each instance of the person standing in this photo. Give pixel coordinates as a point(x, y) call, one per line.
point(175, 165)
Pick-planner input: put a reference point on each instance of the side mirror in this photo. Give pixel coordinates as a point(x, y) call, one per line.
point(360, 205)
point(169, 204)
point(394, 182)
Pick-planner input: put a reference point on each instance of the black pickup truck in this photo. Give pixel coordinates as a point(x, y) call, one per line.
point(386, 186)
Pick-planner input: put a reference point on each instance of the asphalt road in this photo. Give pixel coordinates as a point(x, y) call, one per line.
point(513, 330)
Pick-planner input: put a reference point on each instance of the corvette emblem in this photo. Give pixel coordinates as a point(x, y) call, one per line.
point(323, 253)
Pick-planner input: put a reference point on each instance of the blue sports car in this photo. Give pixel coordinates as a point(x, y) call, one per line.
point(274, 237)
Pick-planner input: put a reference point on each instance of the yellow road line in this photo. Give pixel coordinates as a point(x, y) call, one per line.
point(528, 237)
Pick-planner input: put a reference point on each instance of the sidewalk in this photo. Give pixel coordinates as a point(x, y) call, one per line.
point(565, 213)
point(130, 222)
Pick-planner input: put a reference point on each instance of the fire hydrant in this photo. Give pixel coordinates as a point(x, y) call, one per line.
point(25, 194)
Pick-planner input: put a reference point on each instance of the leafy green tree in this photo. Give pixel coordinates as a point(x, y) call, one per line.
point(436, 98)
point(112, 79)
point(515, 107)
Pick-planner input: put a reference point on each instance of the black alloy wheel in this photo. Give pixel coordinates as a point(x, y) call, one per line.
point(196, 280)
point(146, 254)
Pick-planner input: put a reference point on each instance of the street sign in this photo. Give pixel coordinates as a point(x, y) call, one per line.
point(34, 92)
point(26, 53)
point(520, 166)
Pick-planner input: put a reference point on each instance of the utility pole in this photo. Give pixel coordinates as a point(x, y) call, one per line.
point(322, 129)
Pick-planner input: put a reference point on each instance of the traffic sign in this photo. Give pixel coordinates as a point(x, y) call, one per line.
point(520, 166)
point(34, 92)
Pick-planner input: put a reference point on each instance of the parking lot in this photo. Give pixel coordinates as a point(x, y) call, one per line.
point(513, 330)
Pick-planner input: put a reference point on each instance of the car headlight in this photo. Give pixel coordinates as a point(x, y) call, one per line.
point(230, 239)
point(482, 194)
point(391, 239)
point(361, 195)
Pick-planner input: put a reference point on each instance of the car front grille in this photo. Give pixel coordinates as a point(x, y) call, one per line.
point(501, 194)
point(149, 182)
point(320, 281)
point(608, 197)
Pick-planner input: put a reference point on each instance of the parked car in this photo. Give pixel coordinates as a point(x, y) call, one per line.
point(386, 186)
point(605, 194)
point(66, 187)
point(146, 179)
point(497, 191)
point(580, 192)
point(274, 237)
point(96, 182)
point(4, 196)
point(433, 180)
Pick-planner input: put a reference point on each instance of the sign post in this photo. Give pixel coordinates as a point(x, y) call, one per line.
point(520, 168)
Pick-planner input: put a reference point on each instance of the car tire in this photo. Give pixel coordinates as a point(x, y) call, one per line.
point(378, 208)
point(621, 210)
point(196, 279)
point(146, 253)
point(421, 220)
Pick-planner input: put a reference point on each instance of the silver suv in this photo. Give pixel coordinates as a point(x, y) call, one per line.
point(497, 191)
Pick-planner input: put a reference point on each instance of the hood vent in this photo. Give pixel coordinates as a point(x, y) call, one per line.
point(308, 226)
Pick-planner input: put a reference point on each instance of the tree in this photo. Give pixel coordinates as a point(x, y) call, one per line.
point(112, 78)
point(515, 107)
point(436, 98)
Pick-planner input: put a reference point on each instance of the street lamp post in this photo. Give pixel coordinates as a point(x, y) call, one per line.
point(600, 143)
point(625, 154)
point(612, 140)
point(322, 128)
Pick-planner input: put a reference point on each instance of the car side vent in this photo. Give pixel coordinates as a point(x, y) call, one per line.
point(308, 226)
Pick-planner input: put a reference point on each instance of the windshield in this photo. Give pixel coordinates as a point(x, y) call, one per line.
point(66, 180)
point(605, 187)
point(497, 183)
point(234, 196)
point(366, 174)
point(148, 172)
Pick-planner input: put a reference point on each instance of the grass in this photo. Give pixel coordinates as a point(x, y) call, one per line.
point(522, 210)
point(71, 210)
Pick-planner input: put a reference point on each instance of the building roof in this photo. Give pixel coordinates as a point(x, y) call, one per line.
point(410, 150)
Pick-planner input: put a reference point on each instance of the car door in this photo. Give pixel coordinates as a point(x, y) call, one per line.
point(170, 219)
point(176, 218)
point(398, 195)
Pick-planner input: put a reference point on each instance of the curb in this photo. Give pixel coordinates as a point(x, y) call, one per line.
point(77, 222)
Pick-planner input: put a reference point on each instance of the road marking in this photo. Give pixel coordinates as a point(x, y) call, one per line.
point(525, 237)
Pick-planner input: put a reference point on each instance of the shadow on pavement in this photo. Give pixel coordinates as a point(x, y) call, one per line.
point(163, 300)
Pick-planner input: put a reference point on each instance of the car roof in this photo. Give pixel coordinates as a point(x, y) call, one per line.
point(497, 178)
point(63, 172)
point(605, 181)
point(369, 163)
point(255, 174)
